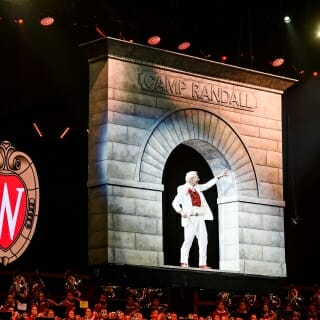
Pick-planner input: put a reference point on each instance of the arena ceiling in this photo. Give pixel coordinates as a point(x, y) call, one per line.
point(44, 72)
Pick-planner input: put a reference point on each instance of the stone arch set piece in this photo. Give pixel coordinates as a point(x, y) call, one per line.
point(144, 102)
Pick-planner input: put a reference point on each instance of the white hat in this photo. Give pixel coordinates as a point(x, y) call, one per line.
point(191, 174)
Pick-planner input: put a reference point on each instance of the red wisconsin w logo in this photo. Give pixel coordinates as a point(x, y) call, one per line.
point(19, 202)
point(13, 209)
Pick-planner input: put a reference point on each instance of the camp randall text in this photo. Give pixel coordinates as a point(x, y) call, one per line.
point(200, 91)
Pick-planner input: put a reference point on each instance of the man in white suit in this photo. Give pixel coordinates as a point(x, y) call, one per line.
point(191, 204)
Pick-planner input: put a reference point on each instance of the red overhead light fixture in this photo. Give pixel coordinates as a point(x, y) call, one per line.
point(154, 40)
point(184, 45)
point(224, 58)
point(47, 21)
point(278, 62)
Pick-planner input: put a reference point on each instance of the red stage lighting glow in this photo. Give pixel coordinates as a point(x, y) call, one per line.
point(102, 34)
point(277, 62)
point(47, 21)
point(223, 58)
point(184, 46)
point(154, 40)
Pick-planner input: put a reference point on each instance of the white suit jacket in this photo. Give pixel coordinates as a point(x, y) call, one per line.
point(183, 200)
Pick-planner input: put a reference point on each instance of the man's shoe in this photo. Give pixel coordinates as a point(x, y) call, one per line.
point(205, 267)
point(184, 265)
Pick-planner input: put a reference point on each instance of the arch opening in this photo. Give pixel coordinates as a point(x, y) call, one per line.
point(182, 159)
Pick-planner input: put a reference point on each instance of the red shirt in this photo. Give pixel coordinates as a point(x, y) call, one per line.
point(195, 198)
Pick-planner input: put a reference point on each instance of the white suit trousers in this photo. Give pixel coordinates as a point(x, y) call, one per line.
point(195, 228)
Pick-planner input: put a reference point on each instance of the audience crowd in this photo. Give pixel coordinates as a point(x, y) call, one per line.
point(33, 302)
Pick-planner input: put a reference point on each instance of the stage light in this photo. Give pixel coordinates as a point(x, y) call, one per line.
point(63, 134)
point(184, 45)
point(19, 21)
point(287, 19)
point(101, 33)
point(278, 62)
point(47, 21)
point(224, 58)
point(154, 40)
point(296, 220)
point(35, 126)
